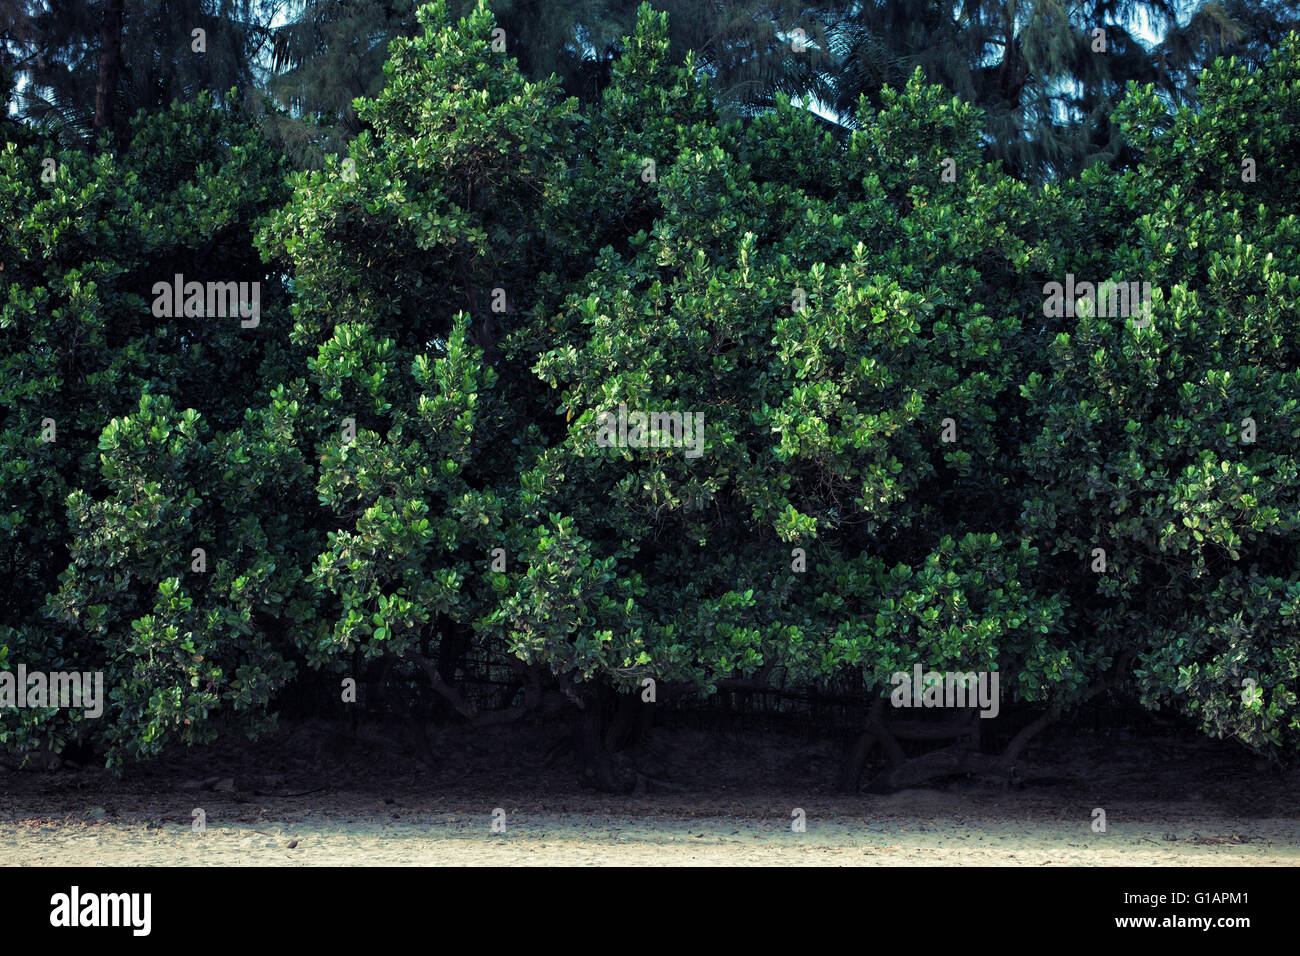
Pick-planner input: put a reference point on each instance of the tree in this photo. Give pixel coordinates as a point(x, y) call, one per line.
point(110, 64)
point(92, 66)
point(128, 436)
point(1258, 27)
point(331, 53)
point(1047, 75)
point(327, 56)
point(881, 440)
point(1182, 434)
point(745, 46)
point(410, 262)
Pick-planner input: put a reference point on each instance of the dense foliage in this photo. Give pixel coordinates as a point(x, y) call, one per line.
point(905, 457)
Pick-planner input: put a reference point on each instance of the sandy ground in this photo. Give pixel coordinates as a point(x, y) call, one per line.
point(1168, 803)
point(888, 837)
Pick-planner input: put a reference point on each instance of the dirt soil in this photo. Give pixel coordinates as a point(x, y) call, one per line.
point(314, 795)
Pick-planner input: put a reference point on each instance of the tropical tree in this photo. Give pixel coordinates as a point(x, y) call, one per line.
point(1046, 74)
point(321, 61)
point(1180, 425)
point(91, 66)
point(329, 54)
point(129, 440)
point(883, 435)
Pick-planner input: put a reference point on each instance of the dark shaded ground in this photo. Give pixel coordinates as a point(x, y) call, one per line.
point(362, 797)
point(712, 771)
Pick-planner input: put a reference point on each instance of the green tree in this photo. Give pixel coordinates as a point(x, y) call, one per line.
point(323, 59)
point(85, 76)
point(1181, 435)
point(90, 367)
point(910, 452)
point(410, 259)
point(1044, 75)
point(331, 53)
point(692, 239)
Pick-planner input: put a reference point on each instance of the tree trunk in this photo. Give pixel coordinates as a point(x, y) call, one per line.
point(965, 757)
point(946, 762)
point(875, 733)
point(595, 766)
point(423, 747)
point(110, 65)
point(453, 644)
point(632, 720)
point(595, 759)
point(467, 708)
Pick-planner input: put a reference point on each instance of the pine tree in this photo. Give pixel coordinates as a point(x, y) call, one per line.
point(166, 51)
point(331, 52)
point(1046, 74)
point(1259, 28)
point(747, 47)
